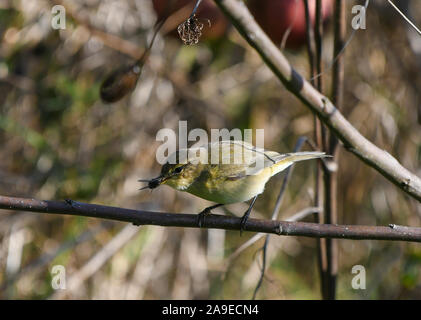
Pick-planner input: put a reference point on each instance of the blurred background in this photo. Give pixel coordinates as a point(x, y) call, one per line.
point(60, 141)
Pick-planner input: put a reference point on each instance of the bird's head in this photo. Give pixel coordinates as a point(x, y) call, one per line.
point(176, 175)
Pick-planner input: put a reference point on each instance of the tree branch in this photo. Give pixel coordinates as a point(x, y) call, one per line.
point(353, 141)
point(282, 228)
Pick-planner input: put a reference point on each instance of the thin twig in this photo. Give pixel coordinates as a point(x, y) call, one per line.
point(287, 32)
point(143, 217)
point(310, 41)
point(295, 217)
point(195, 8)
point(405, 17)
point(275, 212)
point(263, 268)
point(286, 179)
point(340, 52)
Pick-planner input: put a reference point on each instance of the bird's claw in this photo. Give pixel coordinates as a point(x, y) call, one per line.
point(243, 223)
point(201, 217)
point(69, 202)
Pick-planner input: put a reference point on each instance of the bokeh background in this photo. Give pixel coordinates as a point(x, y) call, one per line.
point(59, 141)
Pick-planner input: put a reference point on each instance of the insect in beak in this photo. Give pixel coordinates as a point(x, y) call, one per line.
point(152, 183)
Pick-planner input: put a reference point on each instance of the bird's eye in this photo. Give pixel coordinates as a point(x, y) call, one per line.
point(178, 170)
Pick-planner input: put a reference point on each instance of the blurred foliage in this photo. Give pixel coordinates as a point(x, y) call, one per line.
point(60, 141)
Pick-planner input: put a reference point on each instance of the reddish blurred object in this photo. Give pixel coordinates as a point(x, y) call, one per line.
point(276, 16)
point(181, 10)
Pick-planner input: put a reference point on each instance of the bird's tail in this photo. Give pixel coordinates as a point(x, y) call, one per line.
point(288, 159)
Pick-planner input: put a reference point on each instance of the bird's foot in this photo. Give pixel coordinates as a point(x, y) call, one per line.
point(202, 215)
point(246, 215)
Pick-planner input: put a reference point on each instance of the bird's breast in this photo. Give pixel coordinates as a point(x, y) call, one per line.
point(228, 191)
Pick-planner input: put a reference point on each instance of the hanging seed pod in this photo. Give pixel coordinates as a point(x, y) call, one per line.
point(190, 30)
point(207, 10)
point(119, 83)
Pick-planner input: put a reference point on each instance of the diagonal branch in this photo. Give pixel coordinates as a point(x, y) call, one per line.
point(281, 228)
point(353, 141)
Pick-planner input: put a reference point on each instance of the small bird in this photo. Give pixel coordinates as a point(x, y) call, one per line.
point(225, 172)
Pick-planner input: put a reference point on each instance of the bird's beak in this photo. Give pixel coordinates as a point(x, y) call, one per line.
point(153, 183)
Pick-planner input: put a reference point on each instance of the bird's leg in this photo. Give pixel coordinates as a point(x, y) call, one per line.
point(247, 214)
point(201, 216)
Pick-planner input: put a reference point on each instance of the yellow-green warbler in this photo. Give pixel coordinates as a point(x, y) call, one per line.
point(225, 172)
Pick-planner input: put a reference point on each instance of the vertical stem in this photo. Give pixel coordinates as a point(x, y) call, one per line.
point(315, 68)
point(310, 42)
point(195, 8)
point(318, 31)
point(318, 35)
point(331, 177)
point(338, 67)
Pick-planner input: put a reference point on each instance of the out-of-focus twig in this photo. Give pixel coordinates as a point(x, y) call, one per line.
point(340, 52)
point(110, 40)
point(275, 213)
point(310, 41)
point(97, 261)
point(144, 269)
point(286, 179)
point(296, 217)
point(46, 258)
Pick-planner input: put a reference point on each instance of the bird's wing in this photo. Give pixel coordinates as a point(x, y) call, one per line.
point(239, 159)
point(240, 152)
point(234, 160)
